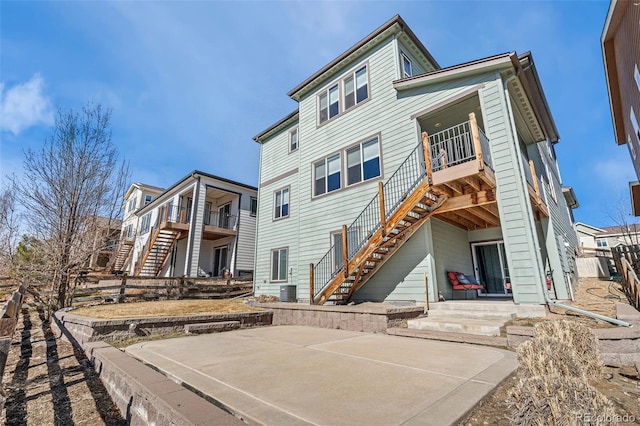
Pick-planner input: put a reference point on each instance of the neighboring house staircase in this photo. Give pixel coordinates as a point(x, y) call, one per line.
point(156, 251)
point(462, 193)
point(121, 256)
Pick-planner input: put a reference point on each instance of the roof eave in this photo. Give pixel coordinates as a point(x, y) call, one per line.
point(497, 62)
point(274, 128)
point(396, 20)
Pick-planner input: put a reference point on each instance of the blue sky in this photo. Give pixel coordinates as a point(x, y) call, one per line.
point(190, 83)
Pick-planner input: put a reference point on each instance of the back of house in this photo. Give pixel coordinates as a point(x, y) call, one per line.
point(394, 171)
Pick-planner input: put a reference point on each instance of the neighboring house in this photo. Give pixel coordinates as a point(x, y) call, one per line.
point(104, 241)
point(137, 196)
point(489, 203)
point(589, 236)
point(621, 51)
point(203, 225)
point(607, 236)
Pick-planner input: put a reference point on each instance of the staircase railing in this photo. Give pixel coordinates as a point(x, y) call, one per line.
point(456, 145)
point(408, 175)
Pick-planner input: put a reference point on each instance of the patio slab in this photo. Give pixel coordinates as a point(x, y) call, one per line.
point(302, 375)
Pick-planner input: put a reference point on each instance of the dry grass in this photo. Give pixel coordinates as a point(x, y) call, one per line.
point(165, 308)
point(548, 356)
point(558, 401)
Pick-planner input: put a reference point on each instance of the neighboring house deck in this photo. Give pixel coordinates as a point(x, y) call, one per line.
point(203, 225)
point(394, 171)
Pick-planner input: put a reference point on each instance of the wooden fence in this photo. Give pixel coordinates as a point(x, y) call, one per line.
point(627, 260)
point(8, 321)
point(152, 288)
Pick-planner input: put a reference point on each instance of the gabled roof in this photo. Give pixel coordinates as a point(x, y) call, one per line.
point(591, 228)
point(629, 229)
point(142, 186)
point(395, 21)
point(286, 121)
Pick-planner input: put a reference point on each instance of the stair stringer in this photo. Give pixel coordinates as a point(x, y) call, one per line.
point(377, 239)
point(404, 236)
point(153, 242)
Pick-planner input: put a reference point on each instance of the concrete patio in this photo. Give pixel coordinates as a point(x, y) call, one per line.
point(302, 375)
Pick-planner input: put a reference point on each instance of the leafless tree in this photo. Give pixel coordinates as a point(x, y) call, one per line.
point(9, 229)
point(629, 227)
point(69, 188)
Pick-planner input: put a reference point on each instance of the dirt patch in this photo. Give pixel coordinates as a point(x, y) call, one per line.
point(164, 308)
point(49, 382)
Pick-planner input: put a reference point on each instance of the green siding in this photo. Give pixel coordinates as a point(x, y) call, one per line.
point(516, 217)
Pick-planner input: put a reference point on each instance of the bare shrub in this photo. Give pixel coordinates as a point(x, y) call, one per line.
point(578, 336)
point(557, 400)
point(264, 298)
point(548, 356)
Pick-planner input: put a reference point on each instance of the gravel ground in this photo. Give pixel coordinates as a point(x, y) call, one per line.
point(49, 382)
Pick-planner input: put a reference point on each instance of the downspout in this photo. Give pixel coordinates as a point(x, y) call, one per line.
point(550, 302)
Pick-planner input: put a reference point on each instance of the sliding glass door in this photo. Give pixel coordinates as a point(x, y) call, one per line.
point(491, 269)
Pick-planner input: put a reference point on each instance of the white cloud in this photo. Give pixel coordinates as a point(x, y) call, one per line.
point(24, 105)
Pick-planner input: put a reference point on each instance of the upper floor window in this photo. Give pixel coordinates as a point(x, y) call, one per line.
point(293, 140)
point(406, 66)
point(355, 89)
point(132, 205)
point(552, 188)
point(145, 223)
point(147, 199)
point(253, 206)
point(363, 161)
point(329, 103)
point(326, 175)
point(602, 242)
point(130, 230)
point(634, 123)
point(281, 203)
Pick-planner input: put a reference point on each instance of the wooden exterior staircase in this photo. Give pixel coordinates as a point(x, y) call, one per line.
point(121, 256)
point(162, 238)
point(433, 180)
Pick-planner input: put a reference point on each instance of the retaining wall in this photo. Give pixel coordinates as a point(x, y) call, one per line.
point(143, 395)
point(86, 329)
point(369, 318)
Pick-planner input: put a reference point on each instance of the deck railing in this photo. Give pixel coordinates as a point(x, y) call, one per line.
point(226, 221)
point(453, 146)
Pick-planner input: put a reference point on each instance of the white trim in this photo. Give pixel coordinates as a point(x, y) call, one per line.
point(476, 271)
point(636, 75)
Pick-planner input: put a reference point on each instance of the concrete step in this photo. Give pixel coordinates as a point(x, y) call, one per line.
point(461, 313)
point(461, 325)
point(474, 305)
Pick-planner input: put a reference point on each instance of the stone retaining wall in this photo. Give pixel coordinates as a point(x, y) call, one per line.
point(86, 329)
point(369, 318)
point(618, 346)
point(143, 395)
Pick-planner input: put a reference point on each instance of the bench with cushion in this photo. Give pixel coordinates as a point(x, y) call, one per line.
point(462, 282)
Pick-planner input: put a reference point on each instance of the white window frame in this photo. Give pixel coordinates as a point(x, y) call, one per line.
point(279, 272)
point(147, 199)
point(145, 223)
point(325, 162)
point(342, 101)
point(403, 58)
point(552, 188)
point(132, 204)
point(636, 76)
point(277, 215)
point(599, 242)
point(293, 132)
point(253, 201)
point(634, 123)
point(360, 146)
